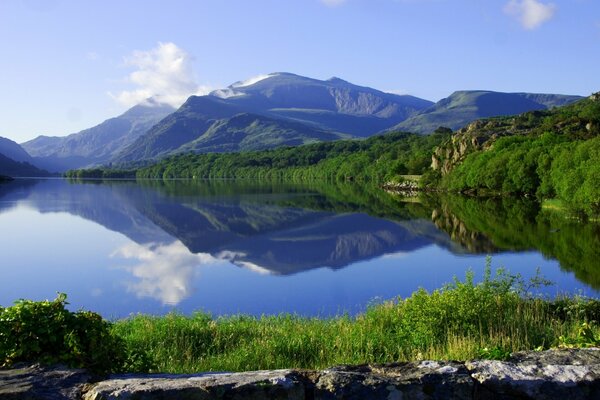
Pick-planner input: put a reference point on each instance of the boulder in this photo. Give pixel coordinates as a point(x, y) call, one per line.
point(572, 374)
point(34, 382)
point(279, 384)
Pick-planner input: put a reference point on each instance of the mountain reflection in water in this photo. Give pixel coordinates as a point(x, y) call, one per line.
point(176, 229)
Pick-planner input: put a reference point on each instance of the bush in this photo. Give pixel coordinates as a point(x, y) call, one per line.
point(46, 332)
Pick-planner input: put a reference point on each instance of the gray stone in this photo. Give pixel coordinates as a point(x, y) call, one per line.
point(34, 382)
point(279, 384)
point(553, 374)
point(572, 374)
point(416, 380)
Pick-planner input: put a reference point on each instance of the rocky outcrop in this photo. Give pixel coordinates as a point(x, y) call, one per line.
point(478, 135)
point(552, 374)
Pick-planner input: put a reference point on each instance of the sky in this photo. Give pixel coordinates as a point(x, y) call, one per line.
point(67, 65)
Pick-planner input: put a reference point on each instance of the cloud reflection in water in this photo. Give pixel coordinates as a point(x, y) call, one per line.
point(165, 272)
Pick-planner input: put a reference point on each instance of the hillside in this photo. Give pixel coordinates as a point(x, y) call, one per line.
point(13, 151)
point(277, 109)
point(377, 159)
point(551, 154)
point(12, 168)
point(96, 145)
point(463, 107)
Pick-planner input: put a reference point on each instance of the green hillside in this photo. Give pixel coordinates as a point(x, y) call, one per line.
point(551, 154)
point(376, 159)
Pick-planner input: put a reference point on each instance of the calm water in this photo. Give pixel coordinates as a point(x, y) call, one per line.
point(120, 247)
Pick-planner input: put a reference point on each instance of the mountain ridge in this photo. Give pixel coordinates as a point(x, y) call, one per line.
point(465, 106)
point(98, 144)
point(296, 110)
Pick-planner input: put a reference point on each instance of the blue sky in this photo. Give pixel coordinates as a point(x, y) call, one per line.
point(68, 65)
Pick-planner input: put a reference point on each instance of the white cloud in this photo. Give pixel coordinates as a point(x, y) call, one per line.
point(164, 272)
point(164, 73)
point(333, 3)
point(530, 13)
point(399, 92)
point(252, 81)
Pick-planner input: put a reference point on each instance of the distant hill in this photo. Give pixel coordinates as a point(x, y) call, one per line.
point(10, 167)
point(14, 161)
point(463, 107)
point(270, 111)
point(96, 145)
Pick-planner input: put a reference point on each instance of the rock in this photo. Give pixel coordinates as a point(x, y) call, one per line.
point(34, 382)
point(280, 384)
point(554, 374)
point(408, 188)
point(417, 380)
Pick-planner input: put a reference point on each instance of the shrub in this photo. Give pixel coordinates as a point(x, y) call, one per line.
point(46, 332)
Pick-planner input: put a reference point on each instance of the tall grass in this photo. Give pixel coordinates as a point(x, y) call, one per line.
point(462, 320)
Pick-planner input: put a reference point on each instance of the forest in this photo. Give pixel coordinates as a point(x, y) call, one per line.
point(377, 159)
point(547, 154)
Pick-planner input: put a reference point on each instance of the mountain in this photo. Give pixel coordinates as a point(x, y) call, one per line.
point(96, 145)
point(14, 161)
point(463, 107)
point(273, 110)
point(333, 104)
point(13, 151)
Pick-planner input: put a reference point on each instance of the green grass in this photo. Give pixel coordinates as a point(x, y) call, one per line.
point(463, 320)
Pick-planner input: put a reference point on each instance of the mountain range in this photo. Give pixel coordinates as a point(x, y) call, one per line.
point(278, 109)
point(99, 144)
point(273, 110)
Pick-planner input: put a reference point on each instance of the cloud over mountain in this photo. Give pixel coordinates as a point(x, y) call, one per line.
point(164, 72)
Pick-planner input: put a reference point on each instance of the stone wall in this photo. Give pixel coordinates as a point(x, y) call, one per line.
point(554, 374)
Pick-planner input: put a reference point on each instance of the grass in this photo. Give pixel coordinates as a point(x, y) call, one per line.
point(554, 205)
point(462, 320)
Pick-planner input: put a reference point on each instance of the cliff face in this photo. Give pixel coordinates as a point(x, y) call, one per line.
point(478, 135)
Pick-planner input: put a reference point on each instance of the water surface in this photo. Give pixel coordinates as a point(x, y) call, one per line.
point(241, 247)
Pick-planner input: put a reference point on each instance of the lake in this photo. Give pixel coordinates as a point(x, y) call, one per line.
point(122, 247)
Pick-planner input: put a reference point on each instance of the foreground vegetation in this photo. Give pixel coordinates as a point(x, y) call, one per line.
point(463, 320)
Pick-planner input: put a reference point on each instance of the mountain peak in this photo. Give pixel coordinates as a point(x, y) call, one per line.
point(335, 79)
point(150, 106)
point(253, 80)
